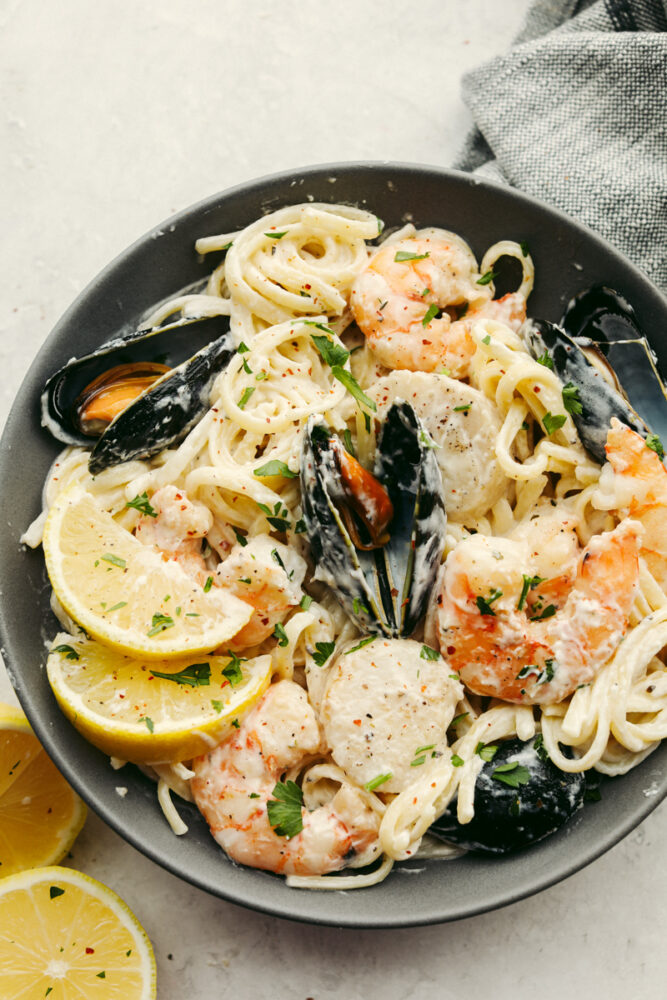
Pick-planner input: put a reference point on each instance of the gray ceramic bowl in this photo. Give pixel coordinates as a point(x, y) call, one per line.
point(568, 258)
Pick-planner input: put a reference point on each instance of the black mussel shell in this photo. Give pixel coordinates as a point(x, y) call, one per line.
point(170, 344)
point(511, 818)
point(386, 589)
point(606, 318)
point(599, 400)
point(166, 412)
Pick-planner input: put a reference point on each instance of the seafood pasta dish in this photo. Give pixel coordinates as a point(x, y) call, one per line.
point(353, 555)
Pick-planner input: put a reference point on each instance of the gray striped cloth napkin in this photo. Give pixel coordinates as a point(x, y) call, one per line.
point(576, 114)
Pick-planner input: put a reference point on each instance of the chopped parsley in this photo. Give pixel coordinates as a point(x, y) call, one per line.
point(349, 446)
point(236, 724)
point(247, 393)
point(418, 761)
point(548, 612)
point(208, 584)
point(457, 761)
point(529, 583)
point(431, 313)
point(285, 809)
point(305, 602)
point(195, 675)
point(233, 671)
point(487, 278)
point(320, 326)
point(114, 560)
point(402, 256)
point(159, 624)
point(487, 751)
point(484, 603)
point(142, 504)
point(275, 555)
point(240, 537)
point(428, 653)
point(276, 236)
point(655, 444)
point(281, 635)
point(360, 645)
point(116, 607)
point(358, 607)
point(524, 248)
point(426, 440)
point(300, 527)
point(462, 409)
point(553, 422)
point(512, 774)
point(217, 705)
point(69, 651)
point(542, 676)
point(571, 400)
point(487, 339)
point(458, 718)
point(374, 783)
point(332, 354)
point(275, 468)
point(545, 359)
point(323, 651)
point(353, 387)
point(540, 748)
point(149, 723)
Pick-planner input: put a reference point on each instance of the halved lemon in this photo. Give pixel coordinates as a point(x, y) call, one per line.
point(67, 936)
point(40, 815)
point(125, 593)
point(148, 712)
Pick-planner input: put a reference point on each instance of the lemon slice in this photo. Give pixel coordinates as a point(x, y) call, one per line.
point(124, 707)
point(125, 593)
point(67, 936)
point(40, 815)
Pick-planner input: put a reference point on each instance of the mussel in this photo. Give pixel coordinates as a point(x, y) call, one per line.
point(377, 540)
point(601, 351)
point(139, 393)
point(520, 797)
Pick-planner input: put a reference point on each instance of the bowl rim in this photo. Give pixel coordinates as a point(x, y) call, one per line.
point(388, 919)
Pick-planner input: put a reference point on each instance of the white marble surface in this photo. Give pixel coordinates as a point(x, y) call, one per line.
point(116, 114)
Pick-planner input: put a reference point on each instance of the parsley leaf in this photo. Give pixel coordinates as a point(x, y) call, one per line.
point(353, 387)
point(233, 671)
point(402, 256)
point(247, 393)
point(655, 444)
point(431, 313)
point(487, 278)
point(142, 504)
point(323, 652)
point(374, 783)
point(149, 723)
point(240, 538)
point(360, 645)
point(275, 468)
point(462, 409)
point(545, 359)
point(540, 748)
point(349, 445)
point(428, 653)
point(457, 761)
point(208, 584)
point(159, 624)
point(524, 248)
point(305, 602)
point(114, 560)
point(276, 236)
point(486, 751)
point(196, 675)
point(553, 422)
point(548, 612)
point(285, 809)
point(529, 583)
point(281, 635)
point(484, 603)
point(512, 774)
point(70, 652)
point(332, 354)
point(571, 400)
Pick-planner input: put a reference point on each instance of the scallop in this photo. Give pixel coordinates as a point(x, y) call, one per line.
point(464, 425)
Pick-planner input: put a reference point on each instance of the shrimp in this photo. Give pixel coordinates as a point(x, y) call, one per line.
point(513, 635)
point(267, 575)
point(409, 303)
point(176, 529)
point(234, 782)
point(641, 488)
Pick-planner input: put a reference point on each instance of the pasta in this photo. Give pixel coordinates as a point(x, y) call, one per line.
point(327, 326)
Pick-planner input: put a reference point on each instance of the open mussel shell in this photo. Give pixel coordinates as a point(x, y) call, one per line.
point(166, 412)
point(600, 401)
point(194, 350)
point(170, 344)
point(385, 589)
point(606, 319)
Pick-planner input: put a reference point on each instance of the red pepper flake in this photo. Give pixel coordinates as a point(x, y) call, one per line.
point(90, 951)
point(357, 722)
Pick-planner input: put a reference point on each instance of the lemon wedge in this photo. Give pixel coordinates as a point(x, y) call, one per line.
point(67, 936)
point(125, 593)
point(148, 712)
point(40, 815)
